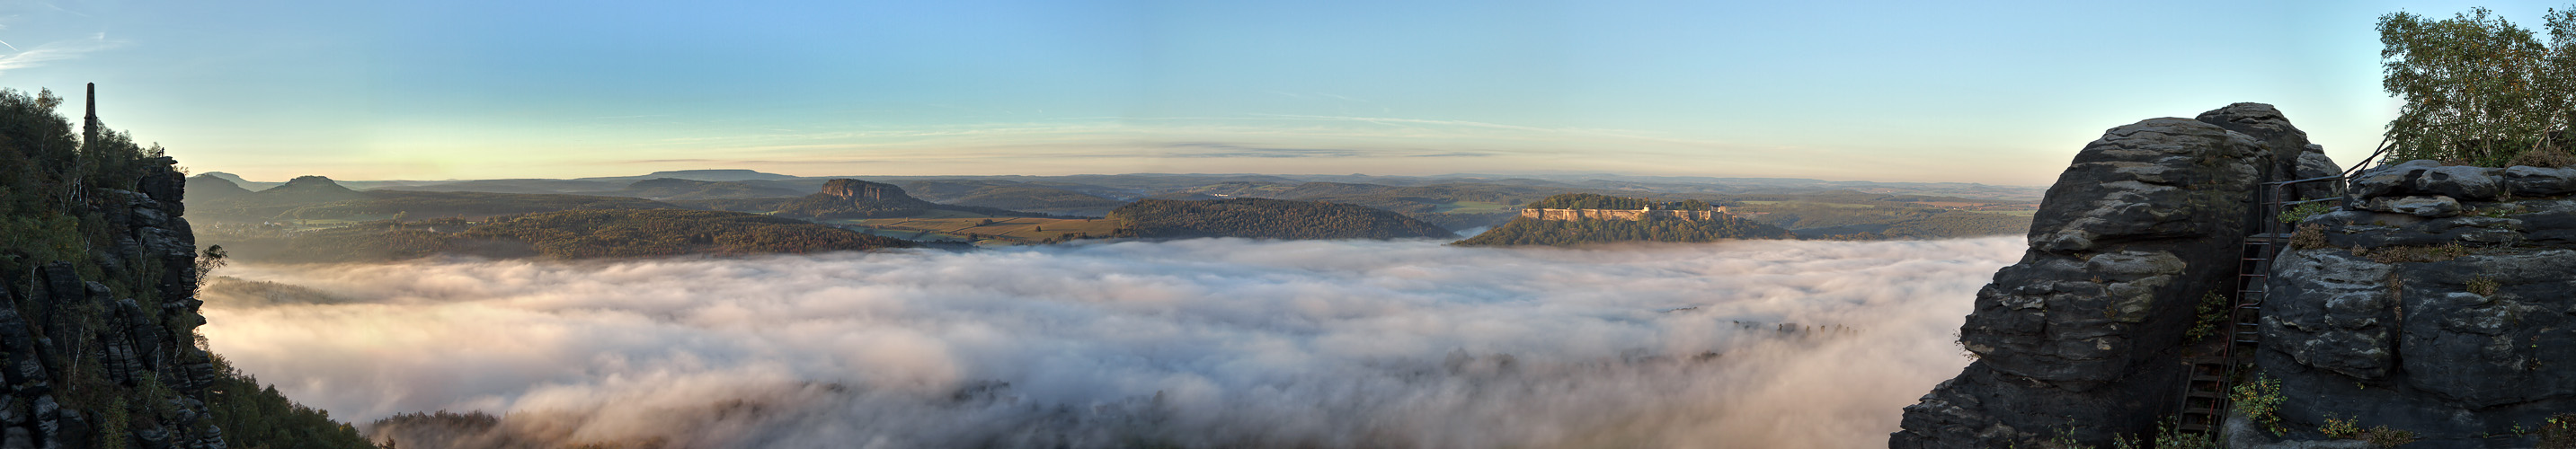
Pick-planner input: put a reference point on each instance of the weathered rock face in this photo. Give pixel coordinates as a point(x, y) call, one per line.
point(2441, 307)
point(857, 190)
point(2082, 338)
point(90, 365)
point(2293, 157)
point(851, 198)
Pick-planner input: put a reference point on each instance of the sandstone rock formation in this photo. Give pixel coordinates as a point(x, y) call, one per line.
point(2083, 337)
point(2438, 306)
point(89, 363)
point(856, 190)
point(851, 198)
point(1621, 214)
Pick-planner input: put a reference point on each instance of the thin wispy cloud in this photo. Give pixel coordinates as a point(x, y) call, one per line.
point(56, 51)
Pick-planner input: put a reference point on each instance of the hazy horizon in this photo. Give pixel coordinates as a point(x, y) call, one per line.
point(1533, 173)
point(1997, 93)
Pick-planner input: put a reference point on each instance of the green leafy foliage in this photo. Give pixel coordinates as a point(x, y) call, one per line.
point(1266, 218)
point(2211, 312)
point(2558, 432)
point(2260, 399)
point(2478, 89)
point(2377, 436)
point(2303, 211)
point(43, 174)
point(256, 415)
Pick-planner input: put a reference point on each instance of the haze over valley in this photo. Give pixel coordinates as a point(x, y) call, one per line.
point(1261, 224)
point(1201, 342)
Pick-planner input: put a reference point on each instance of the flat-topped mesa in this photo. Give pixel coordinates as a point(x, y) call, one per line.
point(863, 190)
point(2083, 338)
point(1623, 214)
point(855, 199)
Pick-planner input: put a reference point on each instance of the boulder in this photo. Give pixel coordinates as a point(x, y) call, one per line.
point(2528, 181)
point(2459, 351)
point(2421, 206)
point(2461, 182)
point(2390, 179)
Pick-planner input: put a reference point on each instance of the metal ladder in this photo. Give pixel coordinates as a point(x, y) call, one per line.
point(2208, 380)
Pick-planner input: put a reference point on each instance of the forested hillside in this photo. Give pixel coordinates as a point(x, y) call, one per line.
point(1853, 222)
point(319, 198)
point(1598, 201)
point(1009, 195)
point(1266, 218)
point(571, 234)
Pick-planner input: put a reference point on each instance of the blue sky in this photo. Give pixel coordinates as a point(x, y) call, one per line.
point(1992, 92)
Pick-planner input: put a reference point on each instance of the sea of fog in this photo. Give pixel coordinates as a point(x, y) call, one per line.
point(1191, 343)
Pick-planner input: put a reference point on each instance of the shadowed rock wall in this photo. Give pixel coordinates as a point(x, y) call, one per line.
point(2083, 337)
point(88, 365)
point(2440, 305)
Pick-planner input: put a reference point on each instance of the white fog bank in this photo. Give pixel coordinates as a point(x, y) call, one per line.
point(1193, 343)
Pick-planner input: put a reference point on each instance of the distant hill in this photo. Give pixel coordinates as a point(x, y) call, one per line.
point(1266, 218)
point(239, 182)
point(201, 187)
point(1625, 220)
point(1011, 196)
point(851, 199)
point(688, 189)
point(717, 175)
point(318, 198)
point(572, 234)
point(308, 189)
point(515, 186)
point(1185, 196)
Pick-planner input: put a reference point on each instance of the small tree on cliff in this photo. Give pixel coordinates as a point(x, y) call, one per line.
point(2478, 89)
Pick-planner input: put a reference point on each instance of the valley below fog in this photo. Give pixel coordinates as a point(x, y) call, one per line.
point(1195, 343)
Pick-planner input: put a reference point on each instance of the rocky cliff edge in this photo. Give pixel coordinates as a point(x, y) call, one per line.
point(2081, 340)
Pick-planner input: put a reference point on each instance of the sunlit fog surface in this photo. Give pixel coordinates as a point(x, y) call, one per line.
point(1201, 343)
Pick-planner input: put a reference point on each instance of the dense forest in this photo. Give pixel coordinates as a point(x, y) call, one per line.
point(1846, 222)
point(571, 234)
point(1598, 201)
point(318, 198)
point(1266, 218)
point(1530, 231)
point(851, 199)
point(70, 213)
point(1011, 196)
